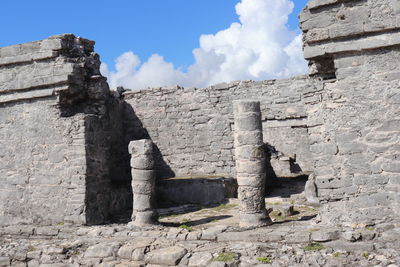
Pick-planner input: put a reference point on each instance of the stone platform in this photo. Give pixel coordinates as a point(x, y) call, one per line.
point(204, 237)
point(201, 190)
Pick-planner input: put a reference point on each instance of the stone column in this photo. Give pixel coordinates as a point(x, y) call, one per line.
point(250, 163)
point(143, 182)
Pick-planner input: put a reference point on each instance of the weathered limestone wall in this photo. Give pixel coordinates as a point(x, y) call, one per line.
point(344, 127)
point(355, 142)
point(53, 133)
point(192, 127)
point(42, 168)
point(64, 139)
point(336, 26)
point(356, 146)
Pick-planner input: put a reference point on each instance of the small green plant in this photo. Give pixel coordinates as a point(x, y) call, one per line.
point(31, 249)
point(314, 247)
point(186, 227)
point(336, 254)
point(365, 254)
point(310, 209)
point(264, 259)
point(273, 203)
point(226, 257)
point(370, 228)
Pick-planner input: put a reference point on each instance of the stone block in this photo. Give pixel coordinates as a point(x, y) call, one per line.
point(4, 261)
point(51, 44)
point(200, 259)
point(193, 235)
point(324, 20)
point(141, 147)
point(143, 175)
point(314, 35)
point(47, 231)
point(102, 250)
point(252, 219)
point(125, 252)
point(325, 235)
point(250, 152)
point(313, 51)
point(250, 167)
point(236, 237)
point(248, 138)
point(138, 254)
point(142, 218)
point(212, 232)
point(389, 126)
point(248, 122)
point(33, 263)
point(246, 106)
point(300, 237)
point(313, 4)
point(142, 202)
point(255, 180)
point(26, 95)
point(393, 167)
point(10, 51)
point(285, 209)
point(351, 246)
point(140, 187)
point(345, 30)
point(142, 163)
point(166, 256)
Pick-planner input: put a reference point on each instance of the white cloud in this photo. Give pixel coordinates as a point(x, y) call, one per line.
point(259, 47)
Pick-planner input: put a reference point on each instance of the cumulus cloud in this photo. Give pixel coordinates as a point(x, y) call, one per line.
point(260, 46)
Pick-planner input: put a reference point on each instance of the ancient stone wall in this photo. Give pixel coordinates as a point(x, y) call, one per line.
point(333, 27)
point(42, 167)
point(54, 126)
point(355, 141)
point(64, 138)
point(343, 126)
point(192, 127)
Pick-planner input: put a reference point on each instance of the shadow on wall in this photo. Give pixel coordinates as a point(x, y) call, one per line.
point(107, 177)
point(134, 130)
point(124, 127)
point(94, 173)
point(98, 184)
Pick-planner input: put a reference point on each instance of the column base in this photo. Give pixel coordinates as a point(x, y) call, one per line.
point(254, 219)
point(142, 218)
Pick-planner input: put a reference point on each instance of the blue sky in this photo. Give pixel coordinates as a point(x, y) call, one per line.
point(170, 28)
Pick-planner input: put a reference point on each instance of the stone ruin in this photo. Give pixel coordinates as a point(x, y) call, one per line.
point(64, 135)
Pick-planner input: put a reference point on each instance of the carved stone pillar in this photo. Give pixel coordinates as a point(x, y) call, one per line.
point(143, 182)
point(250, 163)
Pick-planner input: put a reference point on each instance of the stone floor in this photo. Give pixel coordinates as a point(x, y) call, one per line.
point(205, 236)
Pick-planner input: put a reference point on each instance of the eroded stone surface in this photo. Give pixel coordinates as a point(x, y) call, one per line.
point(250, 163)
point(143, 182)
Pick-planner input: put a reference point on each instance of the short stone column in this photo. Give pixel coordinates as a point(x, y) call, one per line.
point(250, 163)
point(143, 182)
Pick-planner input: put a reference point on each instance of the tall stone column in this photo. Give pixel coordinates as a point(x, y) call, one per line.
point(143, 182)
point(250, 163)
